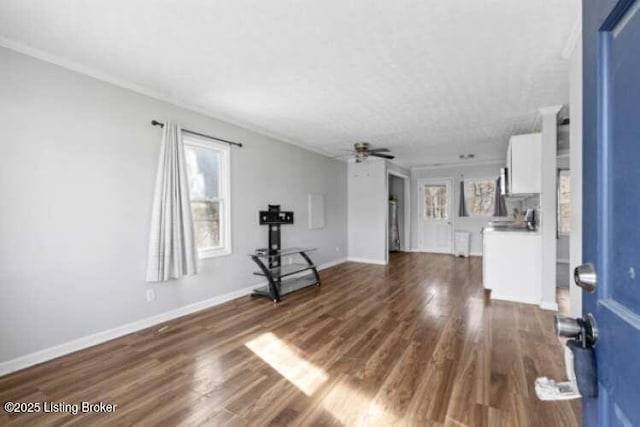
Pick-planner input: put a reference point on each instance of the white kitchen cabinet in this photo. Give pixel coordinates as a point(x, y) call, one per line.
point(524, 163)
point(511, 265)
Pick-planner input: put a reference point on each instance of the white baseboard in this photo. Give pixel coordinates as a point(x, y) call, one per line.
point(366, 261)
point(442, 253)
point(468, 256)
point(512, 298)
point(545, 305)
point(332, 263)
point(46, 354)
point(433, 252)
point(548, 305)
point(101, 337)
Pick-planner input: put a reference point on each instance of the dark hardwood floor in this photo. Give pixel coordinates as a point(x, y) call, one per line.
point(412, 343)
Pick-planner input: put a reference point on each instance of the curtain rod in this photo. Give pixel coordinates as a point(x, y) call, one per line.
point(157, 123)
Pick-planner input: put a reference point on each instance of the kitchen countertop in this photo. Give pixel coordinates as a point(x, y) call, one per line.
point(523, 232)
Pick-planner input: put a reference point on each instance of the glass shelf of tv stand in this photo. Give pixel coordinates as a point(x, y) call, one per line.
point(286, 277)
point(289, 285)
point(284, 252)
point(287, 270)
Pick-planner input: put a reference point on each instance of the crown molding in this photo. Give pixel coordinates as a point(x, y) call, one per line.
point(397, 164)
point(489, 162)
point(351, 159)
point(151, 93)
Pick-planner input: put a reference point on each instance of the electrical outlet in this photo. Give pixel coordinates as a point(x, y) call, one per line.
point(338, 249)
point(151, 295)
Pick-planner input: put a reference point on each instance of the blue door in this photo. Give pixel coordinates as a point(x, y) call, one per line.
point(611, 204)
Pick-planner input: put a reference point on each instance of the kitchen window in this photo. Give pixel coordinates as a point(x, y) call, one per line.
point(208, 172)
point(480, 196)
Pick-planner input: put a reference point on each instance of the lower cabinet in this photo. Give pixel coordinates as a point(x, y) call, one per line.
point(511, 266)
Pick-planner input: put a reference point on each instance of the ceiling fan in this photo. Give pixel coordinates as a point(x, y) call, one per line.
point(362, 150)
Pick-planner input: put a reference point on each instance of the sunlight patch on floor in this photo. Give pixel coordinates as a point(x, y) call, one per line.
point(281, 357)
point(352, 408)
point(343, 401)
point(474, 317)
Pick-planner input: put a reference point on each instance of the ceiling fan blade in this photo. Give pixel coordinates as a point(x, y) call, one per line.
point(384, 156)
point(379, 150)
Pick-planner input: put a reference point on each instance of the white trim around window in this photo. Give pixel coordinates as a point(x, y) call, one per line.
point(224, 196)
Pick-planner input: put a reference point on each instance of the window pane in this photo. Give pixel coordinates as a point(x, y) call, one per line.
point(202, 169)
point(436, 202)
point(480, 196)
point(564, 202)
point(206, 222)
point(203, 166)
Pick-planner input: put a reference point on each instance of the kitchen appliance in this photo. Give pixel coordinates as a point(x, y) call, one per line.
point(394, 233)
point(504, 181)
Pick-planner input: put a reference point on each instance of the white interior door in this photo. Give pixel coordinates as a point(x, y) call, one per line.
point(435, 209)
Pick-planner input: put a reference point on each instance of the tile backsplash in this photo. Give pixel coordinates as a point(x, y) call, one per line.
point(524, 203)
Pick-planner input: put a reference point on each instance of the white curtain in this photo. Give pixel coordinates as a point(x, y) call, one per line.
point(172, 248)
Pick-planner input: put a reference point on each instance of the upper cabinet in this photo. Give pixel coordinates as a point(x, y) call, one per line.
point(524, 157)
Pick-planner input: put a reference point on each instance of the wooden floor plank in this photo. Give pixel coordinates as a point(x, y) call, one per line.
point(414, 343)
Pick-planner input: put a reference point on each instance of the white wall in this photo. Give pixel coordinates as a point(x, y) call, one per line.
point(367, 183)
point(77, 171)
point(471, 224)
point(575, 159)
point(548, 205)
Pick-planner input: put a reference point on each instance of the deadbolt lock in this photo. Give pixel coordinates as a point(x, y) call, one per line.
point(585, 276)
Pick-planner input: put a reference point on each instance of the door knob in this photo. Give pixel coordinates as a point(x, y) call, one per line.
point(584, 329)
point(567, 327)
point(580, 361)
point(585, 276)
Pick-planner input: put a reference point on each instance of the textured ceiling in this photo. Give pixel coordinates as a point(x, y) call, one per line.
point(428, 79)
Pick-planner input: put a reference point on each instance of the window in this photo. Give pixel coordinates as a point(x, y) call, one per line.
point(436, 202)
point(207, 164)
point(564, 202)
point(480, 196)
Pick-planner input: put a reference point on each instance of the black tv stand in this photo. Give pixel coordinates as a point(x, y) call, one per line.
point(282, 279)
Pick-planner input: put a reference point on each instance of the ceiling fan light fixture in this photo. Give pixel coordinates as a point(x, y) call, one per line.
point(363, 150)
point(361, 146)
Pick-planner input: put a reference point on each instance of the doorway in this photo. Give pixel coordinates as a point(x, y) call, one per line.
point(396, 225)
point(434, 215)
point(398, 213)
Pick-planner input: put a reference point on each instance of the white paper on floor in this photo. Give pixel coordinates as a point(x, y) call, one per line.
point(548, 389)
